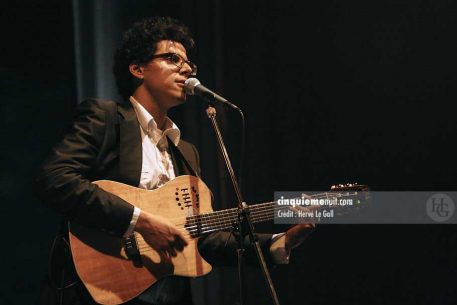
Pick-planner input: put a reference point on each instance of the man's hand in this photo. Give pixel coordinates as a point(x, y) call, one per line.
point(297, 234)
point(160, 234)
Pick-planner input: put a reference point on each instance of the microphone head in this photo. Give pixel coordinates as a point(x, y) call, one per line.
point(190, 84)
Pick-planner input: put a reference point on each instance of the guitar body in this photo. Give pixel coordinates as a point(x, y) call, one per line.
point(110, 274)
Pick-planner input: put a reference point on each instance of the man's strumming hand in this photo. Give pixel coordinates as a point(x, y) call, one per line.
point(160, 234)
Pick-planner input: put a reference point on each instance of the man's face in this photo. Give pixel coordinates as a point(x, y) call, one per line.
point(163, 79)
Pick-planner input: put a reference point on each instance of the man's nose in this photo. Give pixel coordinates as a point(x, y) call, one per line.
point(186, 69)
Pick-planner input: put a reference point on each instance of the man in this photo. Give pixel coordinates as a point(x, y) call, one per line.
point(137, 144)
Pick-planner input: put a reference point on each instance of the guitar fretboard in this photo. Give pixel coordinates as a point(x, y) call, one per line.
point(198, 225)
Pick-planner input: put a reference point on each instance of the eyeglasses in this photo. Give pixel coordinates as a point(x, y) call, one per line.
point(178, 61)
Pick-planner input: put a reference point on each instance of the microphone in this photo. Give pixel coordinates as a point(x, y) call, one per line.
point(192, 86)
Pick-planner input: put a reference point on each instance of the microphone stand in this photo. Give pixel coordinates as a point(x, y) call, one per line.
point(244, 217)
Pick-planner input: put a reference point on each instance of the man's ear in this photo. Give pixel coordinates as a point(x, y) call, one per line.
point(137, 70)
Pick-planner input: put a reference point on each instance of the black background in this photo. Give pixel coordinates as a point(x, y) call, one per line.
point(333, 92)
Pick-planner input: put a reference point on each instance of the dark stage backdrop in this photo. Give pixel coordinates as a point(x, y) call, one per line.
point(333, 92)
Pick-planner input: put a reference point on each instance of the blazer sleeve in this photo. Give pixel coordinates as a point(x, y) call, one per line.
point(219, 248)
point(63, 182)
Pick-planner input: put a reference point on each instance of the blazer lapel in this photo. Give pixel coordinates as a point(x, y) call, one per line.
point(130, 150)
point(180, 161)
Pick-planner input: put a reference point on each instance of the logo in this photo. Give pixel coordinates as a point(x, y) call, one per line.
point(440, 207)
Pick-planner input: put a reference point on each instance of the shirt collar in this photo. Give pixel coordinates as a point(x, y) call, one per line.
point(149, 125)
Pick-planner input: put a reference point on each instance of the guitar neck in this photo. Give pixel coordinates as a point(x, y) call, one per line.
point(201, 224)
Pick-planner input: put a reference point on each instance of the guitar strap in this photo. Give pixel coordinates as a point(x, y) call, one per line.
point(176, 154)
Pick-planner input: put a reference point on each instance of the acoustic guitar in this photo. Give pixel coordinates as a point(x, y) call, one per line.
point(115, 270)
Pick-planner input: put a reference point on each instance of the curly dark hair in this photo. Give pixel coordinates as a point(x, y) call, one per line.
point(139, 43)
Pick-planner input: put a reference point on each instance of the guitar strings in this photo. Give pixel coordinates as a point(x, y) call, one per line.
point(262, 216)
point(211, 224)
point(144, 247)
point(210, 228)
point(225, 219)
point(230, 214)
point(257, 206)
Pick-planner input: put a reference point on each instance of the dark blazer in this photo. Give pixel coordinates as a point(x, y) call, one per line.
point(104, 142)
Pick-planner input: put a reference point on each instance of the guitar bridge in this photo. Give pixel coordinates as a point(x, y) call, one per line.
point(132, 251)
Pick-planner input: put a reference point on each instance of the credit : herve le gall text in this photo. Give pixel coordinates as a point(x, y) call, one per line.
point(305, 213)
